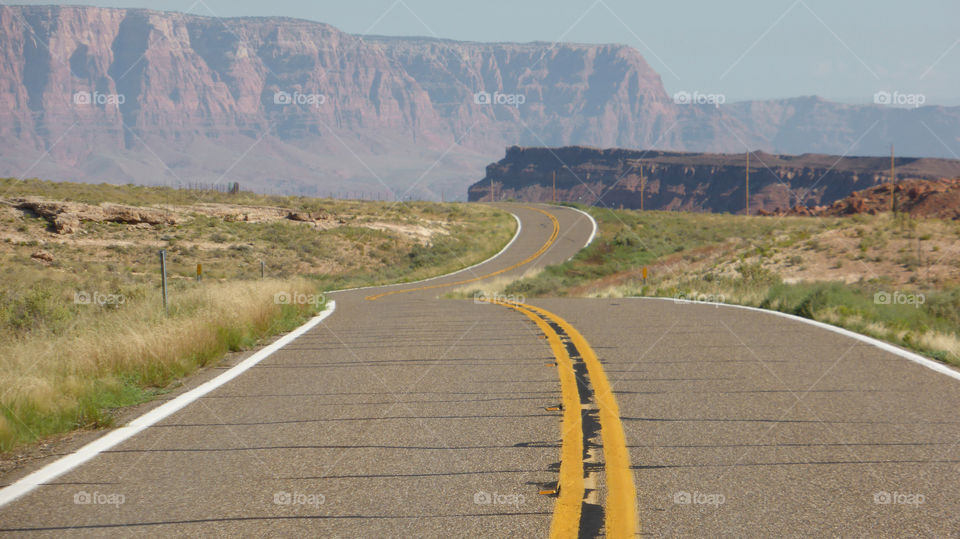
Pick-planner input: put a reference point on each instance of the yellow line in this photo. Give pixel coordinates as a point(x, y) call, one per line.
point(543, 248)
point(621, 503)
point(566, 511)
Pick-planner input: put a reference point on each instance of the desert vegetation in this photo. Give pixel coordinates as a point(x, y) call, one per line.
point(895, 278)
point(83, 331)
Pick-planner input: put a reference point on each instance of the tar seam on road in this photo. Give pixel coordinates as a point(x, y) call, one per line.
point(117, 436)
point(543, 248)
point(621, 519)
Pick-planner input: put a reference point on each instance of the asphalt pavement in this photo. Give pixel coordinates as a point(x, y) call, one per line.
point(404, 414)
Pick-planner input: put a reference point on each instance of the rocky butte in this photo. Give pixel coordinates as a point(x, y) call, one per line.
point(699, 182)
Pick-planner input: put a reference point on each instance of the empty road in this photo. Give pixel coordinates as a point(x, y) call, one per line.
point(404, 414)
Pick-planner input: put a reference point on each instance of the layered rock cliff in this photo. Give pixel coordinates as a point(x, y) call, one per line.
point(692, 181)
point(132, 95)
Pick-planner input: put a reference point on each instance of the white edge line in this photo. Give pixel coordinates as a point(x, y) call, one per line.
point(482, 262)
point(121, 434)
point(886, 347)
point(117, 436)
point(593, 234)
point(592, 220)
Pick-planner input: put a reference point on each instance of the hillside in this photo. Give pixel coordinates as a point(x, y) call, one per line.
point(294, 106)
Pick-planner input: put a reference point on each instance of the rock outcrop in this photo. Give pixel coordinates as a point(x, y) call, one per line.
point(133, 95)
point(65, 217)
point(692, 181)
point(938, 199)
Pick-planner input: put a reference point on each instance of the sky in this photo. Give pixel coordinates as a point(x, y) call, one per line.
point(842, 50)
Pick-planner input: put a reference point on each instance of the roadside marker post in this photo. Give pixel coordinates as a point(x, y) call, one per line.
point(644, 275)
point(199, 272)
point(261, 269)
point(163, 279)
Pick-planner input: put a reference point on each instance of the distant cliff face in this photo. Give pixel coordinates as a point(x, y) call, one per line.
point(132, 95)
point(691, 181)
point(605, 93)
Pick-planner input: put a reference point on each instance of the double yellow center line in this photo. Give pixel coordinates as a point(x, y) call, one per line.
point(543, 248)
point(621, 513)
point(621, 503)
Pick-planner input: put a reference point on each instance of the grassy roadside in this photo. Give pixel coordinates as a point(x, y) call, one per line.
point(896, 280)
point(126, 350)
point(82, 330)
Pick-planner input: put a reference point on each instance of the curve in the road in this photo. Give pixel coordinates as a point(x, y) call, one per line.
point(137, 439)
point(543, 248)
point(506, 247)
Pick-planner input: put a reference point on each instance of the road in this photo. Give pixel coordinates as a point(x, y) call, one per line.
point(402, 414)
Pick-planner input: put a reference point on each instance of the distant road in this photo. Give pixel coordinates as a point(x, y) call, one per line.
point(402, 414)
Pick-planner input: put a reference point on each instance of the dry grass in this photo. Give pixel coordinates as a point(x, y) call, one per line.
point(490, 288)
point(823, 269)
point(66, 365)
point(128, 353)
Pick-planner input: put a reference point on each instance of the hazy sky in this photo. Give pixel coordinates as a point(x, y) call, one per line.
point(840, 49)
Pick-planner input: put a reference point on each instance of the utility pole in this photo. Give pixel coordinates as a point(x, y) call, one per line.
point(554, 197)
point(642, 189)
point(893, 185)
point(748, 183)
